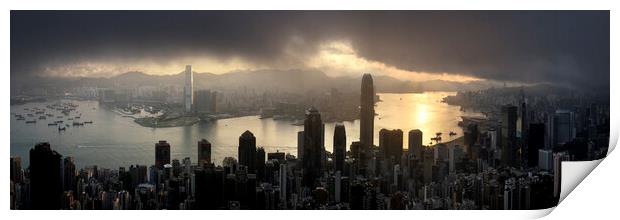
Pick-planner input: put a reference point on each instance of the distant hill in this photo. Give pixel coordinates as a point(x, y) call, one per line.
point(294, 81)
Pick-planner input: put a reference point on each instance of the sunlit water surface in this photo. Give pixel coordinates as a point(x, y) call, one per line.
point(113, 141)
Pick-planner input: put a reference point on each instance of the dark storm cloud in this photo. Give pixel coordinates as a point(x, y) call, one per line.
point(567, 47)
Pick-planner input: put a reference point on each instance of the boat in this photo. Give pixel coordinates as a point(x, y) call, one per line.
point(30, 122)
point(59, 121)
point(42, 117)
point(62, 128)
point(88, 122)
point(52, 124)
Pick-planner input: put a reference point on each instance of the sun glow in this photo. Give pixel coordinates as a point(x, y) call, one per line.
point(334, 58)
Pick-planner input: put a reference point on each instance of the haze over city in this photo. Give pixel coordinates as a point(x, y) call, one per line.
point(425, 110)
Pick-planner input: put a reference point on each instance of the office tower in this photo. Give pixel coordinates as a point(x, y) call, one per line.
point(337, 186)
point(535, 142)
point(557, 172)
point(162, 154)
point(247, 151)
point(428, 161)
point(523, 115)
point(470, 139)
point(300, 144)
point(492, 134)
point(283, 184)
point(17, 173)
point(260, 163)
point(69, 175)
point(391, 144)
point(545, 159)
point(205, 101)
point(45, 177)
point(564, 127)
point(340, 142)
point(312, 157)
point(204, 152)
point(415, 144)
point(188, 89)
point(509, 129)
point(367, 112)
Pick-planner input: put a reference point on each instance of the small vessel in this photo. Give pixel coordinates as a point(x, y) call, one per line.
point(42, 117)
point(62, 128)
point(31, 121)
point(88, 122)
point(52, 124)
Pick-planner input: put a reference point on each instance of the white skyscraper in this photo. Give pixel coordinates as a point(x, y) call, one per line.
point(188, 90)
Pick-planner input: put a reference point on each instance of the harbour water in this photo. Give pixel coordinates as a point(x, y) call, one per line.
point(113, 141)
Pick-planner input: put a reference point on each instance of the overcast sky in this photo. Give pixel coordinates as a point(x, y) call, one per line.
point(564, 47)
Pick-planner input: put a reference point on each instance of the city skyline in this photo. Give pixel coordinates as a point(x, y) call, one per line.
point(330, 110)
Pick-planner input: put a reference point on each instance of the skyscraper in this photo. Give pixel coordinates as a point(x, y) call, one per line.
point(564, 127)
point(45, 177)
point(188, 89)
point(509, 132)
point(340, 143)
point(162, 154)
point(247, 151)
point(415, 143)
point(204, 152)
point(367, 111)
point(260, 163)
point(312, 164)
point(69, 181)
point(391, 144)
point(535, 142)
point(300, 144)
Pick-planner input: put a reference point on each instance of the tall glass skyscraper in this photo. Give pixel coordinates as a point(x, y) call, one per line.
point(188, 89)
point(367, 111)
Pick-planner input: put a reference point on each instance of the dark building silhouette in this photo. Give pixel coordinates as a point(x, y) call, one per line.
point(415, 143)
point(509, 132)
point(45, 177)
point(247, 151)
point(470, 137)
point(535, 142)
point(260, 163)
point(204, 152)
point(281, 156)
point(391, 144)
point(162, 154)
point(313, 147)
point(340, 144)
point(300, 144)
point(69, 177)
point(367, 111)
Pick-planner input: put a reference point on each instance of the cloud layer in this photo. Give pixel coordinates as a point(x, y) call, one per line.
point(564, 47)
